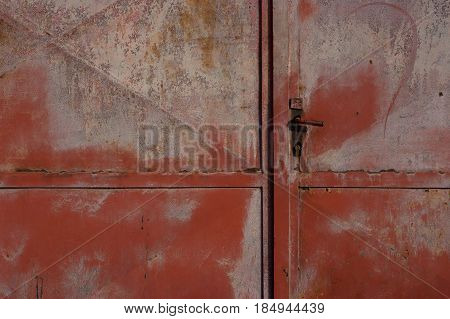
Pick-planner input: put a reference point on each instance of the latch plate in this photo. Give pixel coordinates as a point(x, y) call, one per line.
point(296, 103)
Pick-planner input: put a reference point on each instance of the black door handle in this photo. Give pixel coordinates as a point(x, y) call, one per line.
point(299, 127)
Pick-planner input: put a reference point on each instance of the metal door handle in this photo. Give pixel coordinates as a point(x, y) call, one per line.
point(298, 120)
point(299, 127)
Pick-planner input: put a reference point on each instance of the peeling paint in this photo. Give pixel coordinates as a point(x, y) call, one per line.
point(426, 226)
point(307, 276)
point(55, 16)
point(358, 221)
point(244, 279)
point(122, 65)
point(98, 235)
point(81, 279)
point(89, 205)
point(11, 251)
point(397, 246)
point(400, 47)
point(181, 210)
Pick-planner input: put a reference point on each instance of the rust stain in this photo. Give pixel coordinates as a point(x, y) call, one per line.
point(207, 46)
point(3, 36)
point(187, 21)
point(301, 89)
point(200, 18)
point(206, 10)
point(153, 46)
point(165, 52)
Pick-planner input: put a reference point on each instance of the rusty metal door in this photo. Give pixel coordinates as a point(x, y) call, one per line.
point(367, 214)
point(97, 199)
point(91, 205)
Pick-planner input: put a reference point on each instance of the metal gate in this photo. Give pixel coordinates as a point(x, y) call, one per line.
point(95, 199)
point(367, 214)
point(202, 148)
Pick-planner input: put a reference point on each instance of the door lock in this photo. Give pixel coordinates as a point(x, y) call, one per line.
point(298, 127)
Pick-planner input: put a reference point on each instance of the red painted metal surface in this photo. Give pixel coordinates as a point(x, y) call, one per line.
point(79, 80)
point(374, 243)
point(381, 92)
point(371, 217)
point(87, 76)
point(129, 180)
point(78, 243)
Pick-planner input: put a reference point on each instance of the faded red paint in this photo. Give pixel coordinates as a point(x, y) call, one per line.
point(382, 243)
point(124, 180)
point(71, 105)
point(375, 179)
point(369, 223)
point(306, 9)
point(158, 251)
point(25, 139)
point(285, 217)
point(347, 105)
point(412, 50)
point(197, 61)
point(28, 143)
point(149, 85)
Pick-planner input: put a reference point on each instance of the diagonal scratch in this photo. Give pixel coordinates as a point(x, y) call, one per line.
point(357, 237)
point(71, 51)
point(34, 28)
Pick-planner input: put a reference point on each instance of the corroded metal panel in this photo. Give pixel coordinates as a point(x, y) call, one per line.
point(376, 73)
point(103, 243)
point(374, 243)
point(83, 86)
point(80, 78)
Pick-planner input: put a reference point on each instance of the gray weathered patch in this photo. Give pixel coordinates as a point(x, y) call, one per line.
point(246, 273)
